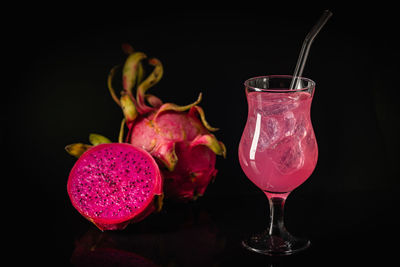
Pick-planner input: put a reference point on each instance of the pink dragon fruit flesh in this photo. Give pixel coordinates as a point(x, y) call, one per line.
point(178, 137)
point(114, 184)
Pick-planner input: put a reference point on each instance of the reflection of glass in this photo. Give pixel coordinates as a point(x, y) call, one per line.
point(278, 152)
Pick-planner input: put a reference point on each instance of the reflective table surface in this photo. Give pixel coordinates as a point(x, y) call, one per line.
point(344, 229)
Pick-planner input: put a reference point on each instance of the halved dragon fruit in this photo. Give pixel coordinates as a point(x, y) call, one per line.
point(114, 184)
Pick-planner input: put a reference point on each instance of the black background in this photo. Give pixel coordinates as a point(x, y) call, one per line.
point(58, 95)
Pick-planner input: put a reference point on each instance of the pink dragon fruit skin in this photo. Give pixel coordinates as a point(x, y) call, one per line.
point(198, 164)
point(176, 133)
point(114, 184)
point(178, 137)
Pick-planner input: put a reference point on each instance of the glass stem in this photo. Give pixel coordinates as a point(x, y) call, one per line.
point(276, 207)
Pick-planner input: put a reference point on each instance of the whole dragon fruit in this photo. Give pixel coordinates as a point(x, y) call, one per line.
point(114, 184)
point(178, 137)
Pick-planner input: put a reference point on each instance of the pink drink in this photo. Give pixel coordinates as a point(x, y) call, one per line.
point(278, 150)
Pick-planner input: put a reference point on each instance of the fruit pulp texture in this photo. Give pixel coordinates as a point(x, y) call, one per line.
point(278, 150)
point(112, 182)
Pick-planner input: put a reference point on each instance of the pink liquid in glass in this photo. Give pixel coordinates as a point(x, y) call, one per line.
point(278, 150)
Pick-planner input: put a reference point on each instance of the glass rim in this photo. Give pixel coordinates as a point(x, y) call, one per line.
point(311, 84)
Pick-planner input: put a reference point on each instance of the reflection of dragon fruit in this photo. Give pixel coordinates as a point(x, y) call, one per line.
point(100, 249)
point(114, 184)
point(180, 141)
point(109, 257)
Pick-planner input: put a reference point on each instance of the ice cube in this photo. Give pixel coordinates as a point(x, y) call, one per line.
point(282, 97)
point(289, 123)
point(270, 133)
point(277, 108)
point(301, 127)
point(273, 109)
point(288, 155)
point(309, 141)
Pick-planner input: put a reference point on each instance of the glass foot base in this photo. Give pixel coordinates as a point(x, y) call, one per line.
point(281, 245)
